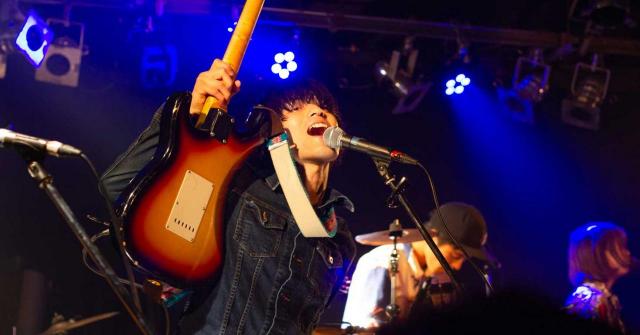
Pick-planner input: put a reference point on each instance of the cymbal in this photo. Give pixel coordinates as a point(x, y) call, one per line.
point(382, 237)
point(63, 326)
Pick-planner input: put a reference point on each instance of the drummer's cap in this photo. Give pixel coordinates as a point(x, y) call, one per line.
point(466, 225)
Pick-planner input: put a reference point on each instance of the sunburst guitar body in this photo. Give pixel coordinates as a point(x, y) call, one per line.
point(173, 210)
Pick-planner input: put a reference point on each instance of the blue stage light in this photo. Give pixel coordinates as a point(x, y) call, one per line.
point(279, 57)
point(276, 68)
point(232, 27)
point(457, 84)
point(284, 74)
point(288, 56)
point(284, 64)
point(34, 39)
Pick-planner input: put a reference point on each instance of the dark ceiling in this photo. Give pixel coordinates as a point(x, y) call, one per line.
point(546, 15)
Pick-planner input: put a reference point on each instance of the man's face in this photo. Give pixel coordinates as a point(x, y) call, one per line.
point(452, 255)
point(306, 123)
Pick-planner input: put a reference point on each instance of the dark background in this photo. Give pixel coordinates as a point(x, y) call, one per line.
point(533, 182)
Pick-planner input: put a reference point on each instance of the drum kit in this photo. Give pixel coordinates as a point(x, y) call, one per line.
point(394, 235)
point(385, 236)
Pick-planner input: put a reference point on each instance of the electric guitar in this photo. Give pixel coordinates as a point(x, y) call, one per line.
point(172, 210)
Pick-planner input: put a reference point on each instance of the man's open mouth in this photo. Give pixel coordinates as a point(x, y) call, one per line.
point(317, 129)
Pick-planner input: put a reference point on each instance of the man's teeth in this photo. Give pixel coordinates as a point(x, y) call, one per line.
point(317, 129)
point(318, 125)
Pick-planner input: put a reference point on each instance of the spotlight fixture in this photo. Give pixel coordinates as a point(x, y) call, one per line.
point(61, 65)
point(602, 13)
point(588, 89)
point(29, 35)
point(400, 79)
point(610, 13)
point(529, 85)
point(34, 38)
point(159, 66)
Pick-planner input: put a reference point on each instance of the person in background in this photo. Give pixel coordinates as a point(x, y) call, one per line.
point(598, 257)
point(421, 283)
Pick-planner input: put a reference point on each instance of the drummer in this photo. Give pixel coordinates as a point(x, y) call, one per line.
point(419, 272)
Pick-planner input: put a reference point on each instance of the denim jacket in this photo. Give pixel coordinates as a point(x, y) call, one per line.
point(273, 280)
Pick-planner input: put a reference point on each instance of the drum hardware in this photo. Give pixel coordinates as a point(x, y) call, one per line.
point(60, 326)
point(395, 230)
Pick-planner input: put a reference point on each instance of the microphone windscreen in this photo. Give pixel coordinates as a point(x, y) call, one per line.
point(331, 137)
point(4, 134)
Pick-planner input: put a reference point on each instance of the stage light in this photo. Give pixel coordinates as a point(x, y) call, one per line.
point(399, 84)
point(279, 57)
point(61, 64)
point(34, 39)
point(529, 85)
point(276, 68)
point(288, 56)
point(457, 85)
point(400, 80)
point(286, 59)
point(610, 13)
point(232, 27)
point(158, 66)
point(588, 89)
point(292, 66)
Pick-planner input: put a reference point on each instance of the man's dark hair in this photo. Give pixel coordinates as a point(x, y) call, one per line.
point(293, 93)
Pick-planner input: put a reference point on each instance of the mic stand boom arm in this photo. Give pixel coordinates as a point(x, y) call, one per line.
point(45, 182)
point(382, 166)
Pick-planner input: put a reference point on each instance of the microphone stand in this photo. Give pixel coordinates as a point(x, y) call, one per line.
point(392, 309)
point(397, 187)
point(45, 182)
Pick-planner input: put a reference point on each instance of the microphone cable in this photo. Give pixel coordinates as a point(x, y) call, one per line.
point(117, 225)
point(118, 229)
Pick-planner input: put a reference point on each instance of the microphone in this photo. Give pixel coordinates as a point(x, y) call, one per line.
point(10, 138)
point(335, 138)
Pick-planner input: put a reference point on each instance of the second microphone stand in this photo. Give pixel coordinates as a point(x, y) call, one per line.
point(45, 182)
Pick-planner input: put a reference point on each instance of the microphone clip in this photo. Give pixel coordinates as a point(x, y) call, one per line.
point(392, 199)
point(382, 165)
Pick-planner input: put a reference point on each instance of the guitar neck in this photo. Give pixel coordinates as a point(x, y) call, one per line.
point(242, 33)
point(235, 50)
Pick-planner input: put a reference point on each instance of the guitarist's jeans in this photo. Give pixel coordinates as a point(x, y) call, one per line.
point(273, 279)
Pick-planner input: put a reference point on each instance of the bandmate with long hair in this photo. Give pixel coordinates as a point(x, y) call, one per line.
point(598, 257)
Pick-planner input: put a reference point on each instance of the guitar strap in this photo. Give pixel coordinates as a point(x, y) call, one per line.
point(306, 218)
